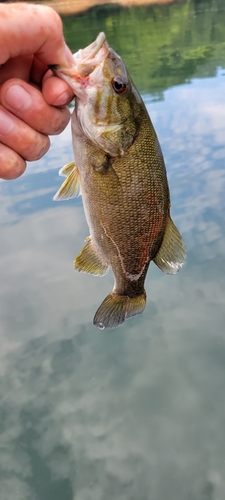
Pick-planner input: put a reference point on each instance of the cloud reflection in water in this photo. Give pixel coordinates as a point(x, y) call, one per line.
point(137, 413)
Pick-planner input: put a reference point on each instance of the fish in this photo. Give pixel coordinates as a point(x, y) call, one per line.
point(119, 170)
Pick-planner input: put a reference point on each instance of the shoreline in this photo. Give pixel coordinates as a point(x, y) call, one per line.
point(65, 7)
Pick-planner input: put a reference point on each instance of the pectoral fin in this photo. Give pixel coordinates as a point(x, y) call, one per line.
point(171, 255)
point(65, 171)
point(88, 261)
point(70, 187)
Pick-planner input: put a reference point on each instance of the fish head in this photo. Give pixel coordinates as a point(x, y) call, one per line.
point(107, 102)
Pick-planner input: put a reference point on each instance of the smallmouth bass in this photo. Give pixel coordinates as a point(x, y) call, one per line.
point(120, 172)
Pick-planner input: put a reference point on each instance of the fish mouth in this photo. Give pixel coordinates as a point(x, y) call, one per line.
point(85, 62)
point(88, 58)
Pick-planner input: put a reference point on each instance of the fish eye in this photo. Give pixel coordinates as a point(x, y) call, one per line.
point(119, 85)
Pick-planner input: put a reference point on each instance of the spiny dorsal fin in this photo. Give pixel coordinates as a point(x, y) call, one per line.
point(116, 308)
point(88, 261)
point(70, 187)
point(65, 171)
point(171, 255)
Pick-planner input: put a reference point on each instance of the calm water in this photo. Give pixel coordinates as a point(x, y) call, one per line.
point(136, 413)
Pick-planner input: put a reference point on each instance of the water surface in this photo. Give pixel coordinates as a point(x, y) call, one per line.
point(137, 413)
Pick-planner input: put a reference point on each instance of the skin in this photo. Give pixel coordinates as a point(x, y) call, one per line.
point(33, 102)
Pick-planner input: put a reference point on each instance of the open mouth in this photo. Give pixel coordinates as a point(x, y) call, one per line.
point(85, 60)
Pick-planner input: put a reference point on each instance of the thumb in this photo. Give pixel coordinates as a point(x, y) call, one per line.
point(32, 29)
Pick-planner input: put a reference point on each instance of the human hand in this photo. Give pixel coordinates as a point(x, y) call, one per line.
point(33, 102)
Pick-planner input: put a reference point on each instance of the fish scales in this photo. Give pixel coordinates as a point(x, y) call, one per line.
point(119, 167)
point(130, 192)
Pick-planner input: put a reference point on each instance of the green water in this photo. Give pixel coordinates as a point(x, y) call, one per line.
point(162, 46)
point(137, 413)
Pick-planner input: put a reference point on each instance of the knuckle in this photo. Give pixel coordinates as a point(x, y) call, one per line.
point(11, 164)
point(35, 152)
point(62, 120)
point(56, 21)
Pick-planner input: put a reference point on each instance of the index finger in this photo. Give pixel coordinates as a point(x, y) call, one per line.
point(32, 29)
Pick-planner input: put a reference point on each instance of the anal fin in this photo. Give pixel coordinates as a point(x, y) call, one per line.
point(172, 252)
point(70, 187)
point(88, 261)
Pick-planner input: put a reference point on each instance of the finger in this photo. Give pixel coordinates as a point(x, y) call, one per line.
point(27, 103)
point(11, 164)
point(21, 138)
point(32, 29)
point(18, 66)
point(38, 71)
point(56, 91)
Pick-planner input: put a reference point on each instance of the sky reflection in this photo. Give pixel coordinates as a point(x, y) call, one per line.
point(137, 413)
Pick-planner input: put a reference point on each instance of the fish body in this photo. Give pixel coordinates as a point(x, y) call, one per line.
point(119, 169)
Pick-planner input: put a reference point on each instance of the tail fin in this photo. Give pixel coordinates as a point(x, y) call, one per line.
point(116, 308)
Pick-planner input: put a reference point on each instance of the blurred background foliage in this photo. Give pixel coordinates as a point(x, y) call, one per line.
point(182, 40)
